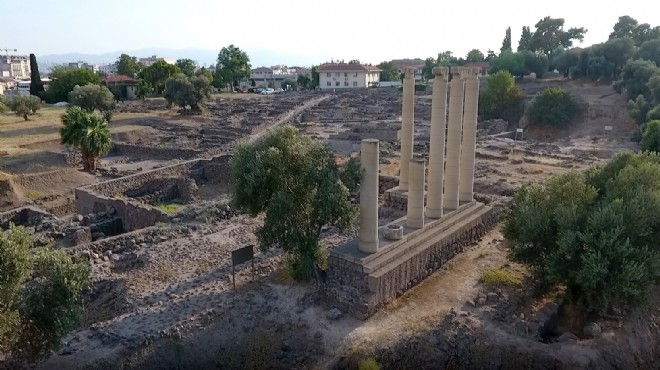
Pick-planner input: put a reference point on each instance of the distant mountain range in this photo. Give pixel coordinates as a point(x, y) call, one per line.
point(203, 57)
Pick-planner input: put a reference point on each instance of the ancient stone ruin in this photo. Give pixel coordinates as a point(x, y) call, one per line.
point(442, 217)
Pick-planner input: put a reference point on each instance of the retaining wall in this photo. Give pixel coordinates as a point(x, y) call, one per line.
point(24, 216)
point(354, 289)
point(145, 152)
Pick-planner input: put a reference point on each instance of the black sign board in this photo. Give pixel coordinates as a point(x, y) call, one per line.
point(239, 256)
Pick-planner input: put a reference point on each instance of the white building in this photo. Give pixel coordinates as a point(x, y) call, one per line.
point(80, 65)
point(108, 69)
point(275, 75)
point(15, 66)
point(348, 76)
point(153, 59)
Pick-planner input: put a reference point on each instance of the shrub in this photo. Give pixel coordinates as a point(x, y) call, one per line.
point(651, 136)
point(500, 277)
point(594, 233)
point(368, 364)
point(92, 97)
point(638, 109)
point(503, 99)
point(654, 114)
point(24, 105)
point(39, 294)
point(553, 106)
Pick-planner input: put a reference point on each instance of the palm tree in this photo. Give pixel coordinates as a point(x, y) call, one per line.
point(88, 132)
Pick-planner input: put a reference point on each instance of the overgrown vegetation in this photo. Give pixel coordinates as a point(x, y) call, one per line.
point(170, 209)
point(23, 106)
point(503, 99)
point(553, 106)
point(187, 91)
point(40, 292)
point(594, 233)
point(651, 137)
point(88, 132)
point(64, 81)
point(296, 182)
point(500, 277)
point(92, 98)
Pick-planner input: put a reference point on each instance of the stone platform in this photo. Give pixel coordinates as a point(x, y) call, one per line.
point(361, 283)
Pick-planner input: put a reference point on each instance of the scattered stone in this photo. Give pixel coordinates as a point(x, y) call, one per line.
point(592, 330)
point(492, 297)
point(567, 337)
point(334, 314)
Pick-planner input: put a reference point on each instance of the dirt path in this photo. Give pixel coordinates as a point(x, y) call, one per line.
point(286, 117)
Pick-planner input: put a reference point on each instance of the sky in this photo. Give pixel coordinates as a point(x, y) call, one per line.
point(298, 30)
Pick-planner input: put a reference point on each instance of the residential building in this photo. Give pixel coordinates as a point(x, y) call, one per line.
point(153, 59)
point(108, 69)
point(348, 76)
point(417, 64)
point(80, 65)
point(6, 84)
point(275, 75)
point(124, 86)
point(15, 66)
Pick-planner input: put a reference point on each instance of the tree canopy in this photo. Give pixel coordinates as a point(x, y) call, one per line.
point(187, 66)
point(595, 233)
point(550, 34)
point(92, 97)
point(157, 73)
point(36, 86)
point(24, 106)
point(553, 106)
point(128, 65)
point(64, 79)
point(88, 132)
point(296, 182)
point(232, 65)
point(651, 136)
point(503, 99)
point(187, 91)
point(389, 71)
point(475, 55)
point(506, 43)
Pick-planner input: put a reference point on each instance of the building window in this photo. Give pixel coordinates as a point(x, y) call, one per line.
point(345, 74)
point(354, 83)
point(329, 84)
point(355, 74)
point(337, 83)
point(336, 74)
point(328, 74)
point(345, 83)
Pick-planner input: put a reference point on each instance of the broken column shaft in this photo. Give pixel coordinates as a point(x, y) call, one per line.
point(469, 142)
point(415, 215)
point(368, 233)
point(407, 127)
point(454, 128)
point(437, 143)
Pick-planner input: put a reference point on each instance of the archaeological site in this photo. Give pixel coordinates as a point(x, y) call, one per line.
point(405, 288)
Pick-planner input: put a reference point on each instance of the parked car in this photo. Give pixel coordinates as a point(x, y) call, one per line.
point(268, 91)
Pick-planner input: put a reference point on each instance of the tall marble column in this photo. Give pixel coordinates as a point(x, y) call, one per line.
point(368, 233)
point(415, 215)
point(437, 146)
point(407, 127)
point(469, 142)
point(454, 128)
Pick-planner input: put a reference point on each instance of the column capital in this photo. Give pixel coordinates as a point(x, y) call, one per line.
point(409, 72)
point(440, 71)
point(470, 72)
point(456, 71)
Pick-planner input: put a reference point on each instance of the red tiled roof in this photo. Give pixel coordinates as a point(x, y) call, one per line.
point(346, 67)
point(116, 79)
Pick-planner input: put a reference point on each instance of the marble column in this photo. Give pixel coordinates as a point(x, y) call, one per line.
point(454, 128)
point(469, 141)
point(368, 234)
point(407, 127)
point(437, 144)
point(415, 215)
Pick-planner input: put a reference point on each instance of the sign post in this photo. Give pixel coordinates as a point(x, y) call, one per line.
point(239, 256)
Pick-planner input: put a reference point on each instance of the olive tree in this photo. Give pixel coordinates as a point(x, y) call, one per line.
point(296, 183)
point(24, 106)
point(92, 97)
point(553, 106)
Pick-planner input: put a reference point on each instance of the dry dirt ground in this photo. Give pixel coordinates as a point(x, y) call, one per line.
point(164, 299)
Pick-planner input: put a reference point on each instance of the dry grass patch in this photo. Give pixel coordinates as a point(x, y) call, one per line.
point(500, 277)
point(34, 195)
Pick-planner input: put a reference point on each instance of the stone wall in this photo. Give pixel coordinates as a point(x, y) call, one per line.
point(146, 152)
point(352, 290)
point(23, 216)
point(132, 214)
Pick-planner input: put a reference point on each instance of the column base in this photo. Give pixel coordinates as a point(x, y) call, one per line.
point(368, 247)
point(466, 197)
point(414, 223)
point(451, 205)
point(434, 213)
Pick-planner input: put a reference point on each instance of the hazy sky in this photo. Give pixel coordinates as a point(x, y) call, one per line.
point(372, 31)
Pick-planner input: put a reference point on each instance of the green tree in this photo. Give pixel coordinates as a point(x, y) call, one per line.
point(617, 51)
point(599, 67)
point(3, 105)
point(389, 71)
point(427, 70)
point(128, 65)
point(635, 77)
point(157, 73)
point(644, 33)
point(36, 86)
point(550, 34)
point(490, 55)
point(64, 79)
point(553, 106)
point(525, 42)
point(503, 99)
point(446, 59)
point(508, 61)
point(304, 82)
point(650, 50)
point(233, 65)
point(595, 233)
point(315, 76)
point(144, 89)
point(187, 66)
point(474, 55)
point(653, 114)
point(624, 27)
point(639, 109)
point(654, 87)
point(651, 136)
point(563, 60)
point(291, 84)
point(40, 295)
point(187, 91)
point(92, 97)
point(24, 106)
point(205, 73)
point(506, 43)
point(88, 132)
point(295, 181)
point(354, 61)
point(534, 63)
